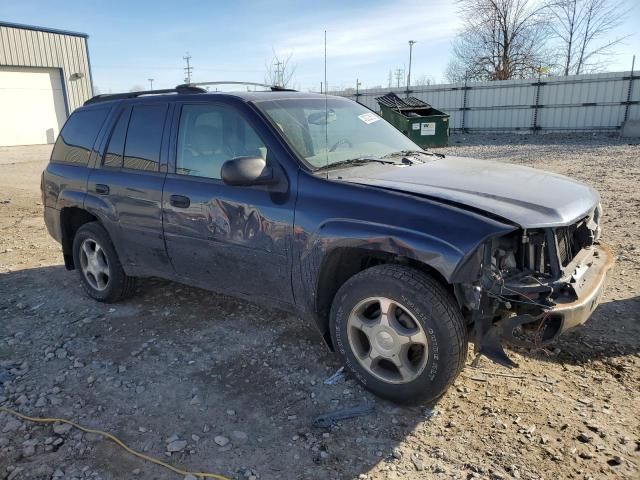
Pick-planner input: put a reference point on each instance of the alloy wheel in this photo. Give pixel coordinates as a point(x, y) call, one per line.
point(387, 340)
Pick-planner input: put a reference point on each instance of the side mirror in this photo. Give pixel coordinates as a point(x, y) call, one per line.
point(247, 171)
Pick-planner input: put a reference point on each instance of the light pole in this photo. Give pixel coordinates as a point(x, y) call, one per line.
point(411, 43)
point(151, 83)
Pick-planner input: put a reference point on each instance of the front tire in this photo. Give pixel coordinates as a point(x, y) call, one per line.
point(97, 263)
point(400, 332)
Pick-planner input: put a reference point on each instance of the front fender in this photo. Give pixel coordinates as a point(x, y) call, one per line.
point(419, 246)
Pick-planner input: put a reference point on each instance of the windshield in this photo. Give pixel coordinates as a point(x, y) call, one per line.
point(352, 131)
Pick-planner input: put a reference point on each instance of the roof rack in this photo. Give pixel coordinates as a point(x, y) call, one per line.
point(274, 88)
point(118, 96)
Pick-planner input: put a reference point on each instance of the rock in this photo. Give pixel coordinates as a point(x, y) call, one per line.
point(196, 400)
point(240, 436)
point(176, 446)
point(231, 412)
point(12, 425)
point(584, 438)
point(14, 474)
point(61, 429)
point(28, 451)
point(586, 455)
point(615, 460)
point(417, 462)
point(190, 477)
point(61, 353)
point(172, 438)
point(58, 473)
point(221, 440)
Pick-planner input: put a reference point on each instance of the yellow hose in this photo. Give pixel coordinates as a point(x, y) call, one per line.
point(115, 440)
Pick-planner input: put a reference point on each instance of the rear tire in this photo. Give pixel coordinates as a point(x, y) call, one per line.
point(400, 333)
point(97, 262)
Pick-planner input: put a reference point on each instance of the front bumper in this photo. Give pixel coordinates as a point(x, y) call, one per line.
point(587, 282)
point(575, 298)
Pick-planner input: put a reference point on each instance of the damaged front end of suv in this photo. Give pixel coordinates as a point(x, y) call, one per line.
point(534, 284)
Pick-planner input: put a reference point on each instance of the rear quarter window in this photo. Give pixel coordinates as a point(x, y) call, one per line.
point(75, 142)
point(144, 137)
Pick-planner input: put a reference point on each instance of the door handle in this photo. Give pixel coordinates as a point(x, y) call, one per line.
point(180, 201)
point(102, 189)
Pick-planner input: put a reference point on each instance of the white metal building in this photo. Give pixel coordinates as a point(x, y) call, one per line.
point(44, 75)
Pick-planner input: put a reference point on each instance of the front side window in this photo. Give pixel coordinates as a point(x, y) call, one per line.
point(209, 135)
point(75, 142)
point(341, 130)
point(144, 137)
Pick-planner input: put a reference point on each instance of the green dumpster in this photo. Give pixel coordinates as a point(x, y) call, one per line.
point(418, 120)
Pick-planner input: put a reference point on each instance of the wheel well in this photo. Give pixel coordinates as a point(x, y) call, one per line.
point(343, 263)
point(71, 219)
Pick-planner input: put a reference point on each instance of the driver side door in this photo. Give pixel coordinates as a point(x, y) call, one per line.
point(220, 237)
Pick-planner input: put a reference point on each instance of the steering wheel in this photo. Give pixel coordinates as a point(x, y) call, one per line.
point(342, 141)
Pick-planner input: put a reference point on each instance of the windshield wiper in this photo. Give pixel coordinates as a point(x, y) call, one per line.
point(351, 162)
point(412, 152)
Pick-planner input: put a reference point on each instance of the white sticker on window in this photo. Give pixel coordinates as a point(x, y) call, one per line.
point(416, 126)
point(369, 117)
point(428, 128)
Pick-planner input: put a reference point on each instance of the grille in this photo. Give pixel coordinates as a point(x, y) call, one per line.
point(571, 240)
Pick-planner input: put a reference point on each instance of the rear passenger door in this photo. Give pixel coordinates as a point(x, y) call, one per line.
point(220, 237)
point(126, 187)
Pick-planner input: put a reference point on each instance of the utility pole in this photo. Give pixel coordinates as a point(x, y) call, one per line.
point(358, 83)
point(188, 69)
point(399, 75)
point(151, 83)
point(321, 86)
point(411, 43)
point(279, 73)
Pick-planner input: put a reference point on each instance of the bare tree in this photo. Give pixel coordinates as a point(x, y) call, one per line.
point(500, 40)
point(280, 70)
point(582, 28)
point(423, 81)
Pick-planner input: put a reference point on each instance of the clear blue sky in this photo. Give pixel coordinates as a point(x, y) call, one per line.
point(131, 41)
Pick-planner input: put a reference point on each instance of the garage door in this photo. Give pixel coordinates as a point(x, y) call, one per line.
point(32, 108)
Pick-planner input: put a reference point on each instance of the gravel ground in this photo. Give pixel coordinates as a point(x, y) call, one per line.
point(210, 383)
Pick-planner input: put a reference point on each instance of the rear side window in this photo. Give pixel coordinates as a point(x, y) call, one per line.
point(115, 149)
point(144, 137)
point(75, 142)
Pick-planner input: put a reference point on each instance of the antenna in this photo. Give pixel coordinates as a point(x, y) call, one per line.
point(326, 110)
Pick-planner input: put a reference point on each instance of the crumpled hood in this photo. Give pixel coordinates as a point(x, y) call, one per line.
point(526, 196)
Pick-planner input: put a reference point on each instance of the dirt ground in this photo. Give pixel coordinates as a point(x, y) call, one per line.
point(213, 384)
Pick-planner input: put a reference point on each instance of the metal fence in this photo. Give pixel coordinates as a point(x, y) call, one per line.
point(574, 103)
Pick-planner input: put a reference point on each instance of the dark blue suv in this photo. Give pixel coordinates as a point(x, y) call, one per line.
point(316, 205)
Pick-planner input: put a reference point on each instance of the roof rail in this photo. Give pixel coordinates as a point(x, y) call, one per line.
point(274, 88)
point(118, 96)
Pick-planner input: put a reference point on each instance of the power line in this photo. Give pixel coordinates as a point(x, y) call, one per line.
point(188, 69)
